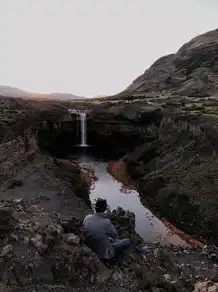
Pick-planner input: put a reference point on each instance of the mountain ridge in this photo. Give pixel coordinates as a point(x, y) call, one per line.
point(9, 91)
point(191, 71)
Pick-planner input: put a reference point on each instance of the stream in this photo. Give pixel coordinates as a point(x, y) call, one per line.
point(148, 226)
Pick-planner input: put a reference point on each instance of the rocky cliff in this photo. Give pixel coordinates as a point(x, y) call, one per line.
point(17, 115)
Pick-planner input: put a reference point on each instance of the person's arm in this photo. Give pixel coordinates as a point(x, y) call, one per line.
point(110, 230)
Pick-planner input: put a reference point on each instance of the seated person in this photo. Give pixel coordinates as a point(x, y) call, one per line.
point(101, 236)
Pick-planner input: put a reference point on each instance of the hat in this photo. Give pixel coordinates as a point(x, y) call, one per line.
point(101, 205)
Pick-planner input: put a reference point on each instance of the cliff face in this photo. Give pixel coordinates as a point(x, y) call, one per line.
point(192, 71)
point(17, 115)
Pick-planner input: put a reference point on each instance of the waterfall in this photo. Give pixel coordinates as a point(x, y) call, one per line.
point(83, 133)
point(78, 127)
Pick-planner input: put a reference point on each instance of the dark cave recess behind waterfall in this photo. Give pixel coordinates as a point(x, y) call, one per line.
point(109, 140)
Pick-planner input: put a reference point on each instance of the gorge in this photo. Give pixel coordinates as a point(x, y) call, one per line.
point(139, 131)
point(164, 129)
point(95, 159)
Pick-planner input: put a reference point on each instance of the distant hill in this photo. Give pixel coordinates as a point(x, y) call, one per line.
point(9, 91)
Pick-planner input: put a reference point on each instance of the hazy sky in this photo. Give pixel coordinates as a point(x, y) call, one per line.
point(91, 47)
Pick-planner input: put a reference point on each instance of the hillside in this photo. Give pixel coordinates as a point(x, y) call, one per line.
point(16, 92)
point(192, 71)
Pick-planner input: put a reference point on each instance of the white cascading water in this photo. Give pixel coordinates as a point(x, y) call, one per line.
point(83, 133)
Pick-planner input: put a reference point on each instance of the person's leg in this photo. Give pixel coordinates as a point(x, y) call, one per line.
point(121, 244)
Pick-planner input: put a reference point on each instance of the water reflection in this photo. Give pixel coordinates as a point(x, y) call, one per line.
point(149, 227)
